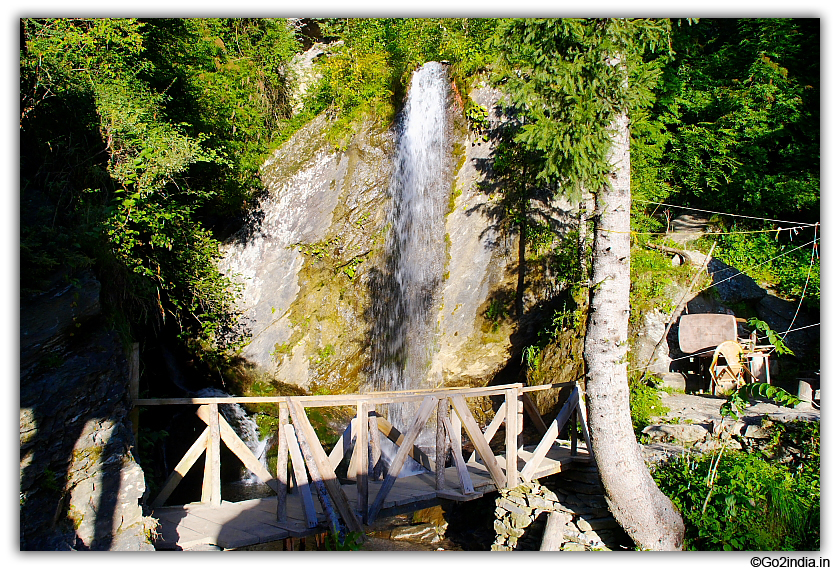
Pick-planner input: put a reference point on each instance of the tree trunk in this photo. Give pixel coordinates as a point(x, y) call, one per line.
point(644, 512)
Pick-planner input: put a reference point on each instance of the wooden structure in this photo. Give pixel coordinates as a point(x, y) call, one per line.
point(701, 333)
point(319, 496)
point(708, 337)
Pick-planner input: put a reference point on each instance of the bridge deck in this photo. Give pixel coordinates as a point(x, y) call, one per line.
point(254, 521)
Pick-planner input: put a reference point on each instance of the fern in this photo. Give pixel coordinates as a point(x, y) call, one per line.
point(735, 404)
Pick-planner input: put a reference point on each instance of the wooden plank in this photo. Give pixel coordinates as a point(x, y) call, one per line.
point(211, 487)
point(315, 474)
point(362, 442)
point(372, 398)
point(190, 457)
point(463, 476)
point(301, 480)
point(240, 448)
point(584, 423)
point(375, 462)
point(441, 443)
point(533, 413)
point(491, 430)
point(282, 464)
point(414, 452)
point(477, 438)
point(452, 495)
point(341, 446)
point(704, 331)
point(351, 447)
point(553, 534)
point(550, 435)
point(511, 437)
point(455, 435)
point(423, 413)
point(322, 466)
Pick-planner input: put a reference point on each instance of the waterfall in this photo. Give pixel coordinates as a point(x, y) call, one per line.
point(244, 426)
point(406, 302)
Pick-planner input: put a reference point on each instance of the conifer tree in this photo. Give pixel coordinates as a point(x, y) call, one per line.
point(576, 82)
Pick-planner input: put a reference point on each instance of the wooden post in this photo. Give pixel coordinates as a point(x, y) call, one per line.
point(584, 423)
point(134, 391)
point(319, 466)
point(491, 429)
point(314, 473)
point(301, 480)
point(362, 459)
point(464, 480)
point(282, 462)
point(190, 457)
point(440, 445)
point(211, 489)
point(511, 438)
point(455, 436)
point(553, 534)
point(533, 413)
point(375, 463)
point(238, 447)
point(573, 434)
point(550, 435)
point(423, 413)
point(477, 438)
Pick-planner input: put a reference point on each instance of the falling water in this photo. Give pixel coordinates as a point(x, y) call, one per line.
point(409, 296)
point(244, 426)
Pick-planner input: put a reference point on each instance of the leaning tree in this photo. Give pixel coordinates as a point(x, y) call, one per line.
point(577, 82)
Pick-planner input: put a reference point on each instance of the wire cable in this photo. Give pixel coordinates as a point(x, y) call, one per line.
point(804, 287)
point(721, 213)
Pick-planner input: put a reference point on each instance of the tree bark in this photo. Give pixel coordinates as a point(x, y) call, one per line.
point(637, 504)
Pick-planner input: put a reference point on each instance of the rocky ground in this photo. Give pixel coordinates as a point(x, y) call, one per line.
point(694, 421)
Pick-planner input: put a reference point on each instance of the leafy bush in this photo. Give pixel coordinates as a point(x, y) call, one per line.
point(772, 260)
point(645, 402)
point(748, 501)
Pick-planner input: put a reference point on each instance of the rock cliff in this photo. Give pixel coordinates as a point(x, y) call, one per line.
point(80, 487)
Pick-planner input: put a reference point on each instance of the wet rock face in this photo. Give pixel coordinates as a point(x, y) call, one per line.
point(303, 260)
point(312, 259)
point(79, 485)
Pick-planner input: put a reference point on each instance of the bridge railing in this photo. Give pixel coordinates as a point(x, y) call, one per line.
point(298, 445)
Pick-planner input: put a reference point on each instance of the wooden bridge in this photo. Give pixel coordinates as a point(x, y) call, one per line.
point(316, 500)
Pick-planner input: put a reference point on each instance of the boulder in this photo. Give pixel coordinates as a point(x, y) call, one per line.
point(733, 286)
point(681, 433)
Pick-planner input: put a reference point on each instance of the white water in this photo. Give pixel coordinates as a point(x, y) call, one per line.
point(244, 426)
point(404, 338)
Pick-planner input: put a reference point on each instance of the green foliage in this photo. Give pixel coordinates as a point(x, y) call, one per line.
point(557, 78)
point(350, 541)
point(497, 311)
point(476, 115)
point(737, 118)
point(645, 402)
point(135, 134)
point(774, 339)
point(746, 501)
point(372, 69)
point(651, 274)
point(736, 402)
point(774, 259)
point(532, 355)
